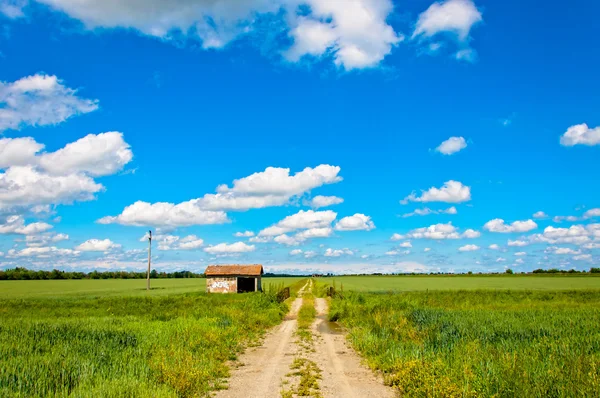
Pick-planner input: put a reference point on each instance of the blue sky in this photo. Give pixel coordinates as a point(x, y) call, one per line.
point(359, 136)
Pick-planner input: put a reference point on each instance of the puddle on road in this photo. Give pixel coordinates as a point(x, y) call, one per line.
point(330, 327)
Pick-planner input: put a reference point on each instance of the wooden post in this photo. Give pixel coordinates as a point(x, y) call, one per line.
point(149, 254)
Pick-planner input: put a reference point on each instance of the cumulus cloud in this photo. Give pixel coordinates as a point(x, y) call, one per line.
point(518, 243)
point(427, 211)
point(592, 213)
point(295, 252)
point(39, 100)
point(405, 244)
point(42, 252)
point(354, 34)
point(451, 192)
point(304, 219)
point(452, 145)
point(12, 9)
point(286, 240)
point(173, 242)
point(166, 214)
point(245, 234)
point(520, 254)
point(436, 232)
point(233, 248)
point(310, 233)
point(272, 187)
point(16, 225)
point(565, 218)
point(338, 252)
point(576, 234)
point(34, 179)
point(97, 245)
point(540, 214)
point(583, 257)
point(468, 248)
point(456, 16)
point(494, 247)
point(44, 239)
point(357, 222)
point(581, 134)
point(498, 225)
point(325, 201)
point(563, 250)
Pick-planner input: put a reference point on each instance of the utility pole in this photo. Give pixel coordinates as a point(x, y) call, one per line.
point(149, 254)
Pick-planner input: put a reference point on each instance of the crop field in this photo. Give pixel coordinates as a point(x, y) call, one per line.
point(462, 282)
point(112, 287)
point(111, 338)
point(518, 343)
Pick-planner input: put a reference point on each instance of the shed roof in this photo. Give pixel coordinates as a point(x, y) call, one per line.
point(234, 269)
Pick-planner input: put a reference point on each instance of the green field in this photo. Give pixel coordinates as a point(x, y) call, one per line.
point(112, 287)
point(485, 343)
point(112, 338)
point(471, 282)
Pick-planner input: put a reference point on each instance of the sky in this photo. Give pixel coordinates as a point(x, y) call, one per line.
point(305, 135)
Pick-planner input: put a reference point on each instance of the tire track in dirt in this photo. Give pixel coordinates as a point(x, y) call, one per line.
point(264, 368)
point(343, 375)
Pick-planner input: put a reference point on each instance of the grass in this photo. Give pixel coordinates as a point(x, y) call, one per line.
point(479, 343)
point(463, 282)
point(112, 287)
point(80, 342)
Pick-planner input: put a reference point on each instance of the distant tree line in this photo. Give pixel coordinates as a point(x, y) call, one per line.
point(27, 274)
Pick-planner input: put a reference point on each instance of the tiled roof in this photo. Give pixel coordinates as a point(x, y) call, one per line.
point(234, 269)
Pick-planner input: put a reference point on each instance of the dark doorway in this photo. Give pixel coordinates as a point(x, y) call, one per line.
point(245, 284)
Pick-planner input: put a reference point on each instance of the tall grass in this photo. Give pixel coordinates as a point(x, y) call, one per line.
point(160, 346)
point(479, 343)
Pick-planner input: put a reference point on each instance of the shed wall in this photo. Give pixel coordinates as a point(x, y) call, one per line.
point(221, 284)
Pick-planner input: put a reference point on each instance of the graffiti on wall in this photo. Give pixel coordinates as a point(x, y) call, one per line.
point(222, 286)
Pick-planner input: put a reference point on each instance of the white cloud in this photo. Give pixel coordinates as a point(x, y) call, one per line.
point(592, 213)
point(44, 239)
point(165, 214)
point(39, 100)
point(354, 34)
point(540, 214)
point(42, 252)
point(518, 243)
point(324, 201)
point(246, 234)
point(466, 54)
point(471, 234)
point(591, 245)
point(451, 192)
point(224, 248)
point(494, 247)
point(35, 180)
point(427, 211)
point(437, 232)
point(324, 232)
point(580, 134)
point(97, 155)
point(498, 225)
point(173, 242)
point(565, 218)
point(295, 252)
point(452, 145)
point(427, 249)
point(338, 252)
point(565, 250)
point(405, 244)
point(304, 219)
point(520, 254)
point(583, 257)
point(576, 234)
point(12, 9)
point(310, 254)
point(357, 222)
point(500, 260)
point(286, 240)
point(456, 16)
point(468, 248)
point(97, 245)
point(16, 225)
point(272, 187)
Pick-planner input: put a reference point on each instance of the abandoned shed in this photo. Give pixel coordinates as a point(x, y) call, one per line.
point(233, 278)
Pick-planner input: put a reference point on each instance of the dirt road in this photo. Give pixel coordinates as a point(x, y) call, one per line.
point(265, 370)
